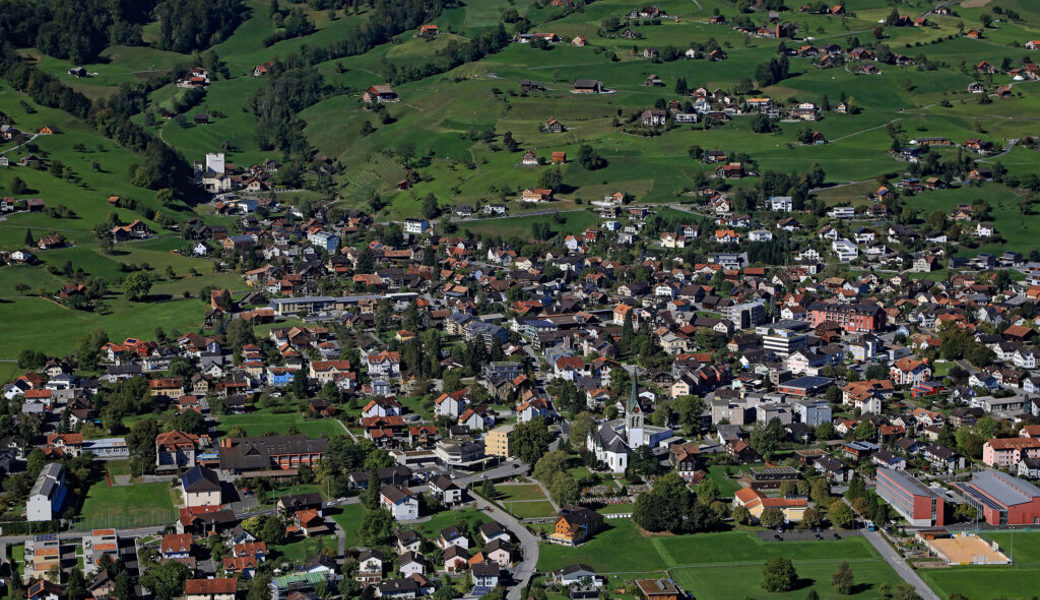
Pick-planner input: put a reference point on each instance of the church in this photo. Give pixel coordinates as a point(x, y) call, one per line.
point(614, 440)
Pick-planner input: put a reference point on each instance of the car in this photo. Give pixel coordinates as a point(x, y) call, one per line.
point(819, 537)
point(837, 536)
point(778, 537)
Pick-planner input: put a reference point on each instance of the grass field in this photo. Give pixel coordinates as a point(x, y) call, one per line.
point(528, 509)
point(349, 518)
point(722, 565)
point(135, 505)
point(727, 485)
point(524, 491)
point(259, 423)
point(446, 518)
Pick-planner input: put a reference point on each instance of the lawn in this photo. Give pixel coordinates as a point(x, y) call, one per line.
point(530, 509)
point(303, 548)
point(117, 467)
point(349, 519)
point(649, 553)
point(727, 485)
point(259, 423)
point(447, 518)
point(135, 505)
point(523, 491)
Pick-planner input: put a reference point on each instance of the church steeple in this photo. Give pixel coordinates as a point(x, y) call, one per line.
point(634, 414)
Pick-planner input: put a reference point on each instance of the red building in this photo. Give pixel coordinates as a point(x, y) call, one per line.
point(918, 504)
point(852, 318)
point(1002, 499)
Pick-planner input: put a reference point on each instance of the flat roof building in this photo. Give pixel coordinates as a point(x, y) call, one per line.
point(1002, 499)
point(918, 504)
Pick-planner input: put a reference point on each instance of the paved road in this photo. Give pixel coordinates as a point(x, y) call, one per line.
point(507, 469)
point(525, 539)
point(896, 561)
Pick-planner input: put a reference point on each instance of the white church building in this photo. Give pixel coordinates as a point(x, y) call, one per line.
point(614, 440)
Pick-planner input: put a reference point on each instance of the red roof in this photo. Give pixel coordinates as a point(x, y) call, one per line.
point(210, 586)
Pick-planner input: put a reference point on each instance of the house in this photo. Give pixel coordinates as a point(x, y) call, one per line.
point(485, 575)
point(379, 94)
point(444, 489)
point(553, 126)
point(575, 524)
point(201, 487)
point(907, 371)
point(733, 170)
point(588, 86)
point(653, 118)
point(210, 589)
point(535, 195)
point(401, 502)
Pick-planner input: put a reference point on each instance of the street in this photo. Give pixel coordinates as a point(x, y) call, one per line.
point(899, 565)
point(527, 542)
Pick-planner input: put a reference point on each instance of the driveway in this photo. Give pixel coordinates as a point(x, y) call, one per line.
point(896, 561)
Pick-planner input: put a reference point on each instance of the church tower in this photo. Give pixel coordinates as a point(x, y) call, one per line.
point(634, 416)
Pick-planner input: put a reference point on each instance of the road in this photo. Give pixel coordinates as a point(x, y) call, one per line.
point(896, 562)
point(28, 141)
point(527, 542)
point(507, 469)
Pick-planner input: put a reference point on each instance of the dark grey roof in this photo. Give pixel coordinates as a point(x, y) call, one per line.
point(200, 479)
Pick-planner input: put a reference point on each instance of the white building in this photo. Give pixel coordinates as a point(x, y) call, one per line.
point(401, 502)
point(416, 226)
point(47, 494)
point(215, 163)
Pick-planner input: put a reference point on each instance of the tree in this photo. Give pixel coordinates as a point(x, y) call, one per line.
point(589, 159)
point(765, 440)
point(18, 186)
point(549, 465)
point(842, 580)
point(820, 492)
point(136, 286)
point(841, 515)
point(532, 440)
point(377, 528)
point(166, 581)
point(741, 515)
point(141, 444)
point(812, 518)
point(779, 575)
point(865, 431)
point(273, 531)
point(581, 425)
point(564, 489)
point(430, 209)
point(787, 488)
point(771, 517)
point(299, 384)
point(551, 179)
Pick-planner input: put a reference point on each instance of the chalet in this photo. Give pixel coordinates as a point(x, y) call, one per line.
point(536, 195)
point(733, 170)
point(588, 86)
point(379, 94)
